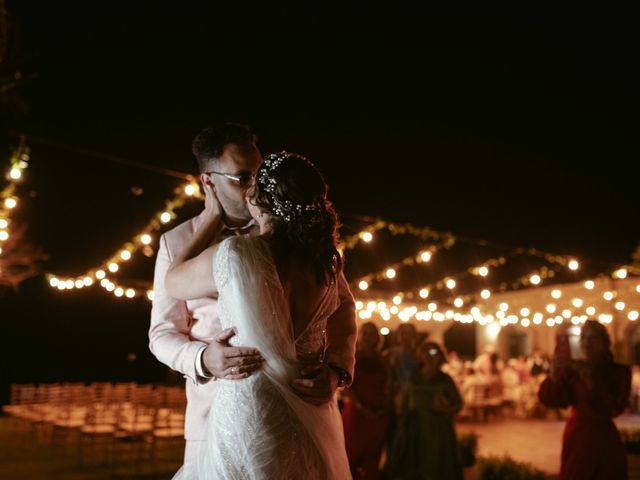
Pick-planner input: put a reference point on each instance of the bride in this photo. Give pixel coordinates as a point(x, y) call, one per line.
point(277, 290)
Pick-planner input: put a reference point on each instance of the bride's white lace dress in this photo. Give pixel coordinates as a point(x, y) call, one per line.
point(258, 428)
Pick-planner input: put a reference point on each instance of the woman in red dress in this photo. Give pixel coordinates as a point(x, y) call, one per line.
point(598, 390)
point(366, 411)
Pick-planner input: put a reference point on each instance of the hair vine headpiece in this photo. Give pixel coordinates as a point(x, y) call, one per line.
point(285, 209)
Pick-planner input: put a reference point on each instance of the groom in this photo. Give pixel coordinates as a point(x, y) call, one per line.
point(187, 336)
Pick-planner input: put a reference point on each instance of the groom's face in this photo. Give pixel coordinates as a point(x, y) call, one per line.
point(240, 161)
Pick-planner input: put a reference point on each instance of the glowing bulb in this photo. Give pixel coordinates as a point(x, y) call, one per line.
point(394, 310)
point(367, 237)
point(483, 271)
point(537, 318)
point(551, 308)
point(424, 293)
point(621, 273)
point(10, 203)
point(79, 284)
point(4, 235)
point(633, 315)
point(118, 292)
point(451, 284)
point(525, 312)
point(359, 305)
point(165, 217)
point(566, 313)
point(574, 265)
point(620, 306)
point(432, 307)
point(363, 314)
point(150, 294)
point(113, 267)
point(381, 306)
point(589, 284)
point(390, 273)
point(638, 288)
point(363, 285)
point(88, 281)
point(3, 223)
point(69, 284)
point(608, 296)
point(504, 306)
point(493, 329)
point(54, 282)
point(385, 331)
point(550, 322)
point(485, 294)
point(100, 274)
point(458, 302)
point(104, 282)
point(535, 279)
point(371, 306)
point(577, 302)
point(125, 255)
point(190, 190)
point(425, 256)
point(525, 322)
point(556, 294)
point(130, 293)
point(145, 239)
point(397, 300)
point(591, 311)
point(15, 174)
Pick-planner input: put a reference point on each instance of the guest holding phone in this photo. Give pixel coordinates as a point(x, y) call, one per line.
point(598, 390)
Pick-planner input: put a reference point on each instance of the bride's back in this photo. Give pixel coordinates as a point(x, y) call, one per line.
point(310, 303)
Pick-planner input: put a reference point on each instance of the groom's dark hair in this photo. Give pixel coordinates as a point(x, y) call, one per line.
point(209, 144)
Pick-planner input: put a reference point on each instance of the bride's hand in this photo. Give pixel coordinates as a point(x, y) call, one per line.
point(212, 206)
point(319, 389)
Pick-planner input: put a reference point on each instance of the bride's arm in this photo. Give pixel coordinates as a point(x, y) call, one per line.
point(191, 272)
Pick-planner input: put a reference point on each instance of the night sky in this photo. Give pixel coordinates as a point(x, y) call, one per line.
point(507, 128)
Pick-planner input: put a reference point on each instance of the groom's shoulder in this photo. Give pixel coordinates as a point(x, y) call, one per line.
point(180, 234)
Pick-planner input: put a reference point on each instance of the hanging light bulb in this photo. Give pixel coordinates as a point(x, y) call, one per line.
point(367, 237)
point(483, 271)
point(485, 294)
point(574, 265)
point(535, 279)
point(390, 273)
point(363, 285)
point(589, 284)
point(424, 293)
point(425, 256)
point(451, 284)
point(621, 273)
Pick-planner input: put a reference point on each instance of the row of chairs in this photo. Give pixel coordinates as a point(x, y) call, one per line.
point(111, 424)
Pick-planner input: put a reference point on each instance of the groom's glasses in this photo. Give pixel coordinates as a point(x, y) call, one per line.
point(242, 179)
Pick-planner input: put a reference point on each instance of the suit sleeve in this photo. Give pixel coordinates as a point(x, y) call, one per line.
point(169, 338)
point(342, 331)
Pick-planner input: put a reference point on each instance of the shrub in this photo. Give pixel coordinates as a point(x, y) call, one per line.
point(505, 468)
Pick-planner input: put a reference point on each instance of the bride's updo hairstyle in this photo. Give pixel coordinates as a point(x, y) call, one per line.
point(304, 225)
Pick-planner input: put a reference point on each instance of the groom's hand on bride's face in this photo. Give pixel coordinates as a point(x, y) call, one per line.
point(318, 385)
point(231, 363)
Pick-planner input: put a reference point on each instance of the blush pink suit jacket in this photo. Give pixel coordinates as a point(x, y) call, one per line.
point(179, 329)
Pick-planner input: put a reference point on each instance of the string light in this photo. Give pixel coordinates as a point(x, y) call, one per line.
point(620, 273)
point(19, 162)
point(425, 256)
point(574, 265)
point(589, 284)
